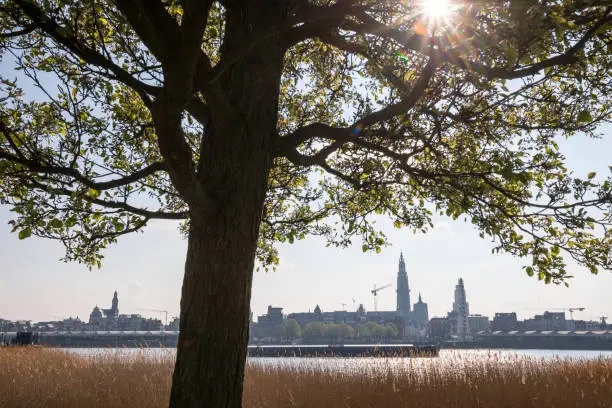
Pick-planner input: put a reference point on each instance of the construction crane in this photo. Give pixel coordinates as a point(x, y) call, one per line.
point(158, 311)
point(375, 293)
point(570, 309)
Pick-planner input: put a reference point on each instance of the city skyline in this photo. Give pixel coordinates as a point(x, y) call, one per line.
point(380, 269)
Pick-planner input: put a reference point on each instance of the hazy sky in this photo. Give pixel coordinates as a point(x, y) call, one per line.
point(146, 269)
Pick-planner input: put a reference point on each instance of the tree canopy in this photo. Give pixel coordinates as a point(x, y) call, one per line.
point(290, 329)
point(257, 122)
point(382, 110)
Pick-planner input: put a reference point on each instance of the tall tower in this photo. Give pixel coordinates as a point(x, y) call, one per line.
point(421, 315)
point(403, 291)
point(115, 305)
point(462, 310)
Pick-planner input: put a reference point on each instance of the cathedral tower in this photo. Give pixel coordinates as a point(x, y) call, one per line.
point(461, 308)
point(113, 312)
point(403, 291)
point(421, 315)
point(115, 305)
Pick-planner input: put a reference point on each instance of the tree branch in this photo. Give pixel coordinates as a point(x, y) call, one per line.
point(567, 58)
point(317, 159)
point(137, 226)
point(108, 204)
point(407, 102)
point(42, 168)
point(38, 167)
point(12, 34)
point(308, 22)
point(160, 33)
point(417, 43)
point(287, 144)
point(89, 55)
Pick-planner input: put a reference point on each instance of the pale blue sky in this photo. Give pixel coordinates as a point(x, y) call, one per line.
point(147, 270)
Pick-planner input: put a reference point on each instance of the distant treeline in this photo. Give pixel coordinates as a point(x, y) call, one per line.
point(320, 331)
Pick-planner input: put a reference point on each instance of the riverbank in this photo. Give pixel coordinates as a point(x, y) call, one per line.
point(37, 377)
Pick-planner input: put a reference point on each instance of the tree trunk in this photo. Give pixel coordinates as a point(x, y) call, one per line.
point(236, 157)
point(216, 290)
point(215, 302)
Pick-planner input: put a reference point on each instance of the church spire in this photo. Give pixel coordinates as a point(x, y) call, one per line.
point(115, 305)
point(403, 290)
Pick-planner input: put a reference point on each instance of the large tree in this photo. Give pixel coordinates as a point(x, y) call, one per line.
point(290, 330)
point(257, 122)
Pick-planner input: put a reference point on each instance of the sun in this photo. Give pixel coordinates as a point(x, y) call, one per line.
point(437, 9)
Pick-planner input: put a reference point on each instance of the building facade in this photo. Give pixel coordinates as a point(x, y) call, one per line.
point(461, 310)
point(269, 325)
point(504, 322)
point(547, 321)
point(439, 328)
point(478, 324)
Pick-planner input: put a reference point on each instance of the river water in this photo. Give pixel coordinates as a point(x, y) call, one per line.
point(447, 360)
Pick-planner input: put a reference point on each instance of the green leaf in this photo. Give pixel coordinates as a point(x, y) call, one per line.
point(93, 193)
point(409, 75)
point(364, 247)
point(118, 225)
point(70, 221)
point(512, 56)
point(529, 271)
point(25, 233)
point(591, 175)
point(584, 116)
point(55, 223)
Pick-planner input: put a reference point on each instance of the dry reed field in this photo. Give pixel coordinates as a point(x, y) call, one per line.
point(37, 377)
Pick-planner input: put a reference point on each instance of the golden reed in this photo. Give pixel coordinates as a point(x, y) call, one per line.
point(38, 377)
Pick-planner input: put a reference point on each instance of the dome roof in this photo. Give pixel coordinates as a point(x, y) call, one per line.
point(96, 312)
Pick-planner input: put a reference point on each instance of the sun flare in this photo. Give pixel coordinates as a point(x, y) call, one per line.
point(437, 8)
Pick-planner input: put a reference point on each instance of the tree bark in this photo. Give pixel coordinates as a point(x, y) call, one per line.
point(216, 292)
point(215, 302)
point(235, 161)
